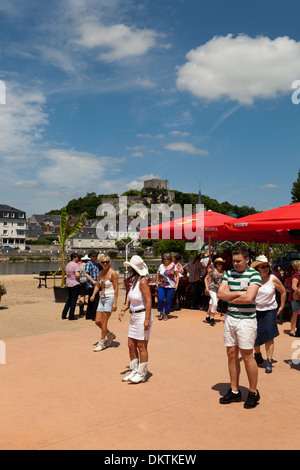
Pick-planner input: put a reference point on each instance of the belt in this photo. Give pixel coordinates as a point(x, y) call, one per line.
point(137, 311)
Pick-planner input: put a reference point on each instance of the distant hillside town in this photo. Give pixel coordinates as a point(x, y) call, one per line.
point(16, 231)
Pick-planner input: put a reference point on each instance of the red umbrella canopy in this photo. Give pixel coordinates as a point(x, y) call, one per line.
point(203, 225)
point(282, 218)
point(212, 226)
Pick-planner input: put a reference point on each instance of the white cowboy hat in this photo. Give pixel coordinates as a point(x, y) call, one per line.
point(85, 258)
point(138, 265)
point(260, 260)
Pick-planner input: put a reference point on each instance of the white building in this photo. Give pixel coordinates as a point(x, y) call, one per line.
point(13, 227)
point(87, 239)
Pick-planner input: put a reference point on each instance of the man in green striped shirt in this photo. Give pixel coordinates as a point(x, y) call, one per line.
point(239, 288)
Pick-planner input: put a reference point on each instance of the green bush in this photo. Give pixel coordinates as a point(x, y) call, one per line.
point(2, 289)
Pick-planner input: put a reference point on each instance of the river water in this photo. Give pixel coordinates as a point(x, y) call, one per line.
point(35, 268)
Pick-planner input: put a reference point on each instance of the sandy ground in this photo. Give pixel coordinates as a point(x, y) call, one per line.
point(56, 393)
point(29, 311)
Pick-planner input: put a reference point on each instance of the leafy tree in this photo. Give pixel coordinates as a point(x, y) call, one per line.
point(172, 246)
point(68, 229)
point(296, 190)
point(132, 192)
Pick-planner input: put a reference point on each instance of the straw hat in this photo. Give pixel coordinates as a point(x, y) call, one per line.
point(219, 260)
point(260, 260)
point(138, 265)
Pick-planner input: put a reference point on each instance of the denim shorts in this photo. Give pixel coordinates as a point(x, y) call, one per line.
point(105, 304)
point(295, 305)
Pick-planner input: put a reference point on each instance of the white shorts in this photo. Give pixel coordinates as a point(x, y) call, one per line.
point(136, 326)
point(240, 332)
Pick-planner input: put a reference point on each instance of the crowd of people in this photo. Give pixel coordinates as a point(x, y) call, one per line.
point(254, 294)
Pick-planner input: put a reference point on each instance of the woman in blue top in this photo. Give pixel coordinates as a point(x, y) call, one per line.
point(167, 280)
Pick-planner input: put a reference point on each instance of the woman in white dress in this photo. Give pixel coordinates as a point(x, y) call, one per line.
point(139, 302)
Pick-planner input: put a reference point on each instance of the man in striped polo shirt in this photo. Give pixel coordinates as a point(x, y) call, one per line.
point(239, 288)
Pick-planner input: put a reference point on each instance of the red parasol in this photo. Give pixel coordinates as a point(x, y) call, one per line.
point(206, 225)
point(282, 218)
point(212, 226)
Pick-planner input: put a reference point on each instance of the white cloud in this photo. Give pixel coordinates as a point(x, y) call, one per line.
point(138, 183)
point(121, 41)
point(149, 136)
point(68, 168)
point(185, 148)
point(241, 69)
point(32, 170)
point(137, 154)
point(57, 58)
point(22, 123)
point(269, 186)
point(27, 184)
point(183, 134)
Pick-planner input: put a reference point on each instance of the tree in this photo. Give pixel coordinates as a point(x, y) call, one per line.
point(68, 229)
point(296, 190)
point(172, 246)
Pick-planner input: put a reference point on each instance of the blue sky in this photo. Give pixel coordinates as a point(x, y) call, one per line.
point(102, 94)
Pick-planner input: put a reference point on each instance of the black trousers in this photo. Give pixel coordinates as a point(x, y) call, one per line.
point(73, 293)
point(92, 306)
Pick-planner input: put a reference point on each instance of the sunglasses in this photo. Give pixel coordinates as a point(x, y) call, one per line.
point(104, 262)
point(264, 267)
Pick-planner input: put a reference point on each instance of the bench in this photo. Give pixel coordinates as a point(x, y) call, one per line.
point(43, 276)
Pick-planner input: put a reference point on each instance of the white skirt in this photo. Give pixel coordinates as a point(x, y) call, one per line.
point(136, 326)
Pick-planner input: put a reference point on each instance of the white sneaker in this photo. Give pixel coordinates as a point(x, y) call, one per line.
point(134, 365)
point(141, 374)
point(100, 346)
point(110, 337)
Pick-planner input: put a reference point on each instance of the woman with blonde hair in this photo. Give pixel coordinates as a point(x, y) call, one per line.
point(108, 285)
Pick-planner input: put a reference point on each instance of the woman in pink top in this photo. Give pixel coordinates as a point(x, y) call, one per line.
point(73, 286)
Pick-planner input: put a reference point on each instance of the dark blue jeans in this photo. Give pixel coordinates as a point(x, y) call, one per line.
point(71, 302)
point(165, 297)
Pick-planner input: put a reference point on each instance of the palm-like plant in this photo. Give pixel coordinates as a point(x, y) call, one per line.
point(68, 229)
point(2, 290)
